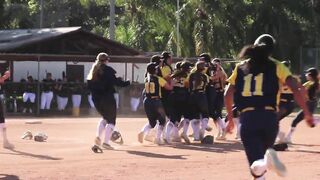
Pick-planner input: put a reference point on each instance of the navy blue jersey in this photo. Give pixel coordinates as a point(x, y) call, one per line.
point(153, 86)
point(258, 88)
point(201, 85)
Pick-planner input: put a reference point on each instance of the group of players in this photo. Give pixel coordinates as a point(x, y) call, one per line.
point(192, 92)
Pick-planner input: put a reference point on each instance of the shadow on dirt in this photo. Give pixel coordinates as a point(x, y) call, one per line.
point(8, 177)
point(218, 147)
point(21, 153)
point(155, 155)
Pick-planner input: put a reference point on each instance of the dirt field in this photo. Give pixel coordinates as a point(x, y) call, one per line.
point(67, 154)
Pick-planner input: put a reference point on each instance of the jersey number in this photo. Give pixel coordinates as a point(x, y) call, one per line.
point(257, 91)
point(150, 88)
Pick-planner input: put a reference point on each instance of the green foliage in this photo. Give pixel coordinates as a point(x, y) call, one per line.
point(220, 27)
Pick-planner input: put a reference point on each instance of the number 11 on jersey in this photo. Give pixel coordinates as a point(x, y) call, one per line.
point(257, 91)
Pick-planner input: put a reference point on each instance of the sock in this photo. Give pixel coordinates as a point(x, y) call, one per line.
point(169, 127)
point(146, 128)
point(195, 124)
point(237, 122)
point(185, 126)
point(100, 128)
point(109, 130)
point(259, 167)
point(159, 131)
point(291, 132)
point(204, 123)
point(221, 125)
point(175, 131)
point(180, 126)
point(3, 130)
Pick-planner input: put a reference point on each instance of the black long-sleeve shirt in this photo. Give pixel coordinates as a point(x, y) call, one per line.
point(106, 81)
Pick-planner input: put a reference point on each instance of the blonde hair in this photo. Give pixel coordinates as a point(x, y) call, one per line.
point(96, 68)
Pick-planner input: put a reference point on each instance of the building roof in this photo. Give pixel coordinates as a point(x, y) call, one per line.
point(63, 40)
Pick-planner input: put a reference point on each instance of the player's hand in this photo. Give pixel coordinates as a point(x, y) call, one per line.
point(310, 120)
point(7, 73)
point(230, 125)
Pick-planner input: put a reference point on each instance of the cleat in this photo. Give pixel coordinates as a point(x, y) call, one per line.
point(27, 135)
point(201, 134)
point(158, 141)
point(185, 138)
point(97, 141)
point(140, 137)
point(274, 163)
point(176, 139)
point(96, 149)
point(221, 136)
point(209, 129)
point(288, 141)
point(107, 146)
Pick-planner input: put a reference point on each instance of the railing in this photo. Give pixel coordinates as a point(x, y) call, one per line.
point(12, 98)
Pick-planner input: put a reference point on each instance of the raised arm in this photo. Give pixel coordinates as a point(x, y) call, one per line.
point(299, 96)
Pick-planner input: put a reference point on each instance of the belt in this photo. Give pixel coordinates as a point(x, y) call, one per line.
point(286, 100)
point(153, 97)
point(268, 108)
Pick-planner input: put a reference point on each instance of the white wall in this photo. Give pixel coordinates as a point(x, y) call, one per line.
point(21, 70)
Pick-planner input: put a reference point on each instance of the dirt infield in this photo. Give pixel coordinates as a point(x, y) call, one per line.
point(67, 154)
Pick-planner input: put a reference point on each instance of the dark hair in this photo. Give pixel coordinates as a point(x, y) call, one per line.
point(151, 68)
point(258, 55)
point(313, 72)
point(156, 59)
point(206, 57)
point(200, 66)
point(165, 56)
point(183, 70)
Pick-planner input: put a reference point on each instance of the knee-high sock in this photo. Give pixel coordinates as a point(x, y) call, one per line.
point(175, 131)
point(146, 128)
point(100, 128)
point(290, 133)
point(159, 131)
point(195, 124)
point(3, 130)
point(221, 124)
point(109, 130)
point(237, 122)
point(186, 123)
point(181, 124)
point(168, 129)
point(204, 124)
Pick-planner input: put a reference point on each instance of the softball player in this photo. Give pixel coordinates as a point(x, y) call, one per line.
point(47, 92)
point(6, 144)
point(254, 83)
point(101, 81)
point(166, 72)
point(179, 100)
point(198, 82)
point(218, 81)
point(312, 88)
point(29, 95)
point(286, 104)
point(152, 103)
point(76, 91)
point(62, 90)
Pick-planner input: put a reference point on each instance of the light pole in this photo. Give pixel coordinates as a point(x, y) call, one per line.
point(178, 34)
point(112, 21)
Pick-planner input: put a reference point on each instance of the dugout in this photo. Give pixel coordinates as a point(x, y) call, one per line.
point(71, 50)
